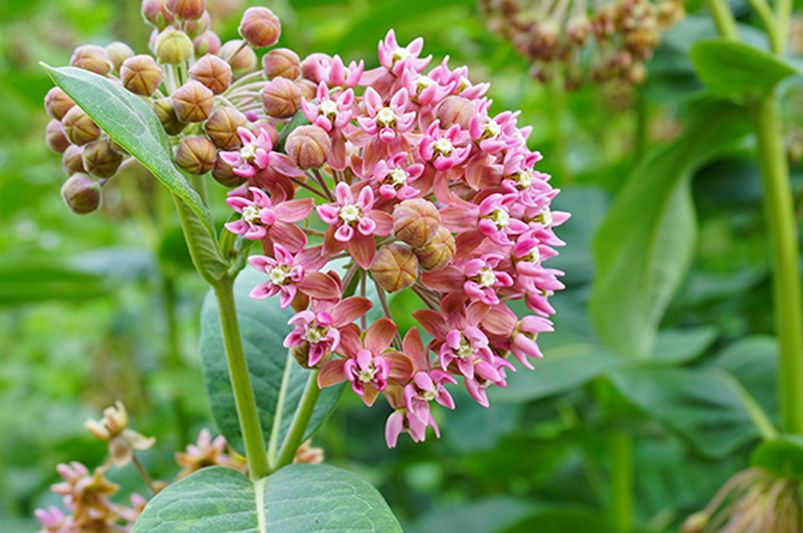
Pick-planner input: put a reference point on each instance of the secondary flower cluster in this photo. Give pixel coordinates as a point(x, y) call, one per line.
point(580, 41)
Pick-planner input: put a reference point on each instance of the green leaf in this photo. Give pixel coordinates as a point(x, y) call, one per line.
point(753, 361)
point(559, 519)
point(477, 516)
point(33, 282)
point(296, 499)
point(732, 68)
point(645, 244)
point(263, 326)
point(783, 456)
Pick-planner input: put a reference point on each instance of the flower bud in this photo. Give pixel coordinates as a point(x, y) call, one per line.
point(260, 27)
point(166, 113)
point(206, 43)
point(118, 52)
point(196, 155)
point(308, 147)
point(308, 89)
point(300, 353)
point(187, 9)
point(55, 138)
point(194, 28)
point(212, 72)
point(224, 174)
point(101, 159)
point(241, 58)
point(141, 75)
point(222, 127)
point(456, 110)
point(173, 47)
point(395, 267)
point(416, 221)
point(193, 102)
point(78, 127)
point(81, 194)
point(281, 63)
point(437, 253)
point(57, 103)
point(281, 98)
point(155, 12)
point(72, 160)
point(92, 58)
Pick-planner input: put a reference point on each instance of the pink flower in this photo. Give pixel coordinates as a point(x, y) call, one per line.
point(485, 376)
point(445, 149)
point(483, 280)
point(329, 113)
point(386, 121)
point(284, 271)
point(262, 219)
point(427, 384)
point(256, 155)
point(53, 520)
point(523, 342)
point(394, 177)
point(395, 58)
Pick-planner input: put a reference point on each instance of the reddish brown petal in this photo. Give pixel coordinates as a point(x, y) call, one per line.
point(331, 373)
point(369, 395)
point(414, 348)
point(349, 310)
point(320, 286)
point(432, 322)
point(466, 242)
point(500, 320)
point(288, 235)
point(460, 218)
point(379, 335)
point(350, 342)
point(445, 280)
point(384, 222)
point(362, 248)
point(401, 367)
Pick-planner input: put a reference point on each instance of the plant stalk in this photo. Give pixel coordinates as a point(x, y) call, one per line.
point(620, 454)
point(295, 434)
point(723, 19)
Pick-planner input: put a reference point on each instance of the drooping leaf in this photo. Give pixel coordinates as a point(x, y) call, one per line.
point(263, 326)
point(645, 244)
point(296, 499)
point(753, 362)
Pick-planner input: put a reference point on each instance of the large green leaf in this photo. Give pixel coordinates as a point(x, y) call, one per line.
point(732, 68)
point(296, 499)
point(263, 326)
point(31, 282)
point(645, 244)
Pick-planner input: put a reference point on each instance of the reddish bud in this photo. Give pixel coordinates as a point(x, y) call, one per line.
point(196, 155)
point(72, 160)
point(206, 43)
point(281, 63)
point(437, 253)
point(141, 75)
point(173, 47)
point(117, 53)
point(187, 9)
point(308, 89)
point(281, 98)
point(416, 221)
point(213, 72)
point(166, 113)
point(456, 110)
point(194, 28)
point(57, 103)
point(224, 174)
point(193, 102)
point(101, 159)
point(78, 127)
point(241, 58)
point(55, 138)
point(260, 27)
point(92, 58)
point(308, 147)
point(81, 194)
point(156, 13)
point(222, 127)
point(395, 267)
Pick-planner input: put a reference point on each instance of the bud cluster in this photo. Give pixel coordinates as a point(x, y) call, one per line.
point(583, 41)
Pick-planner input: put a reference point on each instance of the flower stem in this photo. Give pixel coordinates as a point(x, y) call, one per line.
point(723, 19)
point(244, 400)
point(620, 454)
point(295, 435)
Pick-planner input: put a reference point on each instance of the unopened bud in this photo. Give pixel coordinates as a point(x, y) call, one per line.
point(241, 58)
point(308, 147)
point(308, 454)
point(166, 113)
point(92, 58)
point(141, 75)
point(416, 221)
point(206, 43)
point(300, 353)
point(281, 98)
point(57, 103)
point(213, 72)
point(187, 9)
point(696, 523)
point(194, 28)
point(395, 267)
point(155, 12)
point(81, 194)
point(222, 127)
point(117, 53)
point(437, 253)
point(281, 63)
point(308, 89)
point(55, 138)
point(72, 160)
point(173, 47)
point(224, 174)
point(193, 102)
point(101, 159)
point(196, 155)
point(456, 110)
point(260, 27)
point(78, 127)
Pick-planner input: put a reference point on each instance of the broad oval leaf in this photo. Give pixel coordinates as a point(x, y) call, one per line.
point(733, 68)
point(296, 499)
point(263, 327)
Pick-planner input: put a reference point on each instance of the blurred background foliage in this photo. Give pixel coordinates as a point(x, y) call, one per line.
point(103, 307)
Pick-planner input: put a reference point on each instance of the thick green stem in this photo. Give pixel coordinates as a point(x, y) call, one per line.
point(244, 400)
point(620, 454)
point(300, 422)
point(780, 217)
point(723, 19)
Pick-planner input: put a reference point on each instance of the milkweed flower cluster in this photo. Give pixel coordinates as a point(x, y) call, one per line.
point(584, 41)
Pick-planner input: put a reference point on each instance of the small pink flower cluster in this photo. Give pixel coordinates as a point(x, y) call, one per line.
point(415, 184)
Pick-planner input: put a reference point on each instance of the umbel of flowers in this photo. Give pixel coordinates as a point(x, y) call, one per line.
point(354, 181)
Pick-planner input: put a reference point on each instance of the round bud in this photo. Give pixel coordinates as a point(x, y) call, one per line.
point(101, 159)
point(224, 174)
point(308, 147)
point(173, 47)
point(437, 253)
point(194, 28)
point(55, 138)
point(81, 194)
point(281, 98)
point(166, 114)
point(212, 72)
point(241, 58)
point(456, 110)
point(260, 27)
point(78, 127)
point(395, 267)
point(269, 128)
point(222, 126)
point(187, 9)
point(141, 75)
point(72, 160)
point(57, 103)
point(281, 63)
point(308, 89)
point(416, 221)
point(155, 12)
point(117, 53)
point(193, 102)
point(91, 57)
point(206, 43)
point(196, 155)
